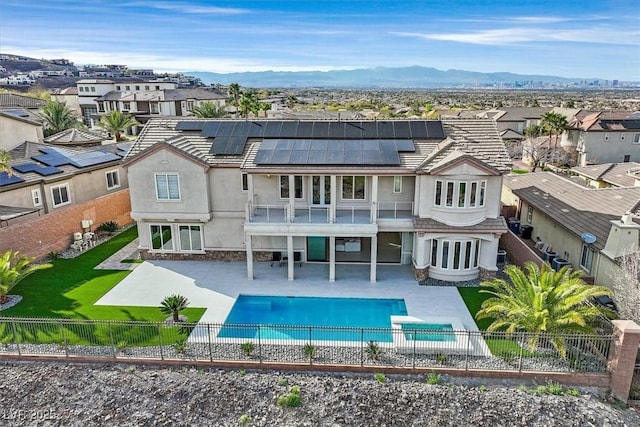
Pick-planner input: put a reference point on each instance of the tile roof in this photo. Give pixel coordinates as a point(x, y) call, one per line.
point(497, 225)
point(75, 137)
point(617, 174)
point(10, 100)
point(23, 115)
point(578, 209)
point(519, 114)
point(474, 137)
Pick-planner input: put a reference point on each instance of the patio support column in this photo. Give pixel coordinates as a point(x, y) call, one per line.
point(292, 197)
point(333, 197)
point(374, 199)
point(332, 258)
point(250, 188)
point(290, 262)
point(374, 257)
point(249, 239)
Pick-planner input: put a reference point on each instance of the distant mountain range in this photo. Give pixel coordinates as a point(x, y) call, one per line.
point(380, 77)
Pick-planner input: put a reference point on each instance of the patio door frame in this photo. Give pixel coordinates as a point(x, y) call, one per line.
point(324, 189)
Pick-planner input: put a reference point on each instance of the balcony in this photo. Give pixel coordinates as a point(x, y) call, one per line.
point(279, 214)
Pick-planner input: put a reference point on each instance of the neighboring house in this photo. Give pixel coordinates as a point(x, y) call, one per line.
point(141, 99)
point(77, 137)
point(18, 125)
point(590, 228)
point(608, 174)
point(511, 122)
point(418, 192)
point(69, 96)
point(11, 100)
point(56, 194)
point(47, 178)
point(604, 137)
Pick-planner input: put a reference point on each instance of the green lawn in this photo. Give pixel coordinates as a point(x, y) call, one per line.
point(71, 287)
point(500, 345)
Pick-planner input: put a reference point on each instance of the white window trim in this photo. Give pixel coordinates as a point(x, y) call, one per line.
point(353, 190)
point(474, 254)
point(636, 138)
point(290, 188)
point(179, 248)
point(480, 194)
point(106, 177)
point(173, 239)
point(399, 180)
point(244, 178)
point(155, 185)
point(593, 253)
point(63, 185)
point(36, 197)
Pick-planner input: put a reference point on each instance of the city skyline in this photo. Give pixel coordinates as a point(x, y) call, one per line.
point(587, 39)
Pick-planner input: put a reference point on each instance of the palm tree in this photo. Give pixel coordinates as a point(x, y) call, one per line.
point(554, 124)
point(249, 103)
point(208, 110)
point(5, 159)
point(542, 301)
point(235, 93)
point(58, 117)
point(116, 122)
point(173, 304)
point(13, 268)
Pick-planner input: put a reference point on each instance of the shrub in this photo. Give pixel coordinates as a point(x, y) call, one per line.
point(309, 351)
point(244, 419)
point(482, 388)
point(380, 377)
point(442, 358)
point(172, 305)
point(53, 255)
point(248, 348)
point(283, 381)
point(180, 346)
point(554, 388)
point(434, 378)
point(373, 350)
point(291, 400)
point(108, 227)
point(242, 372)
point(573, 392)
point(130, 369)
point(121, 345)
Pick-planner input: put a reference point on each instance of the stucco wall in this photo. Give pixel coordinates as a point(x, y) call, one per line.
point(596, 150)
point(54, 232)
point(15, 132)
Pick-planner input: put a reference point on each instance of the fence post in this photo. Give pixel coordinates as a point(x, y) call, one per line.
point(64, 339)
point(15, 336)
point(259, 346)
point(415, 333)
point(466, 353)
point(361, 346)
point(209, 342)
point(310, 348)
point(520, 361)
point(160, 340)
point(113, 344)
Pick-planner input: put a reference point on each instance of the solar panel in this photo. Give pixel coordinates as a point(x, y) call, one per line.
point(353, 130)
point(336, 130)
point(289, 129)
point(418, 129)
point(435, 129)
point(327, 152)
point(305, 130)
point(385, 130)
point(210, 130)
point(39, 169)
point(405, 145)
point(190, 125)
point(273, 129)
point(402, 129)
point(370, 130)
point(320, 130)
point(5, 179)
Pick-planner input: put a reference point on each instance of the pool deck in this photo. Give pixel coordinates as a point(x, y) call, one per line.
point(216, 285)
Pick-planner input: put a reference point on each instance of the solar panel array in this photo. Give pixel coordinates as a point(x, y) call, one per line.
point(5, 179)
point(37, 168)
point(330, 152)
point(231, 136)
point(58, 157)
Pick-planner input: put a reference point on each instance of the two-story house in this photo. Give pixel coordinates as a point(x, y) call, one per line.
point(418, 192)
point(142, 99)
point(604, 137)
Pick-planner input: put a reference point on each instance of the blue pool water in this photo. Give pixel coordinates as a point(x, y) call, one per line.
point(291, 317)
point(428, 331)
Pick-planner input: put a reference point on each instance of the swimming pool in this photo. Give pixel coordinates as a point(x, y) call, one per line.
point(428, 331)
point(339, 319)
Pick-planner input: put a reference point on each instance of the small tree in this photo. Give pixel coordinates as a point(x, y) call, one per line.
point(13, 268)
point(58, 117)
point(116, 123)
point(208, 110)
point(173, 304)
point(626, 286)
point(5, 159)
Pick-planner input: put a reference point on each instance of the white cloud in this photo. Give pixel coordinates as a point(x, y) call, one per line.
point(193, 8)
point(508, 36)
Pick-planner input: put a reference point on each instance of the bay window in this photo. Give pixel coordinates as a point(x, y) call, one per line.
point(460, 194)
point(449, 254)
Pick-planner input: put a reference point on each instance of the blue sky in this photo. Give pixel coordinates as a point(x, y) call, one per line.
point(568, 38)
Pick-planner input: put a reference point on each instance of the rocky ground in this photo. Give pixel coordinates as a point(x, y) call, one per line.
point(71, 395)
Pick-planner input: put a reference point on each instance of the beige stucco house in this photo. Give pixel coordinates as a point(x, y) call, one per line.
point(581, 226)
point(418, 192)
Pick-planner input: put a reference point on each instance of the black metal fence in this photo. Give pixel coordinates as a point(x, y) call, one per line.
point(405, 346)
